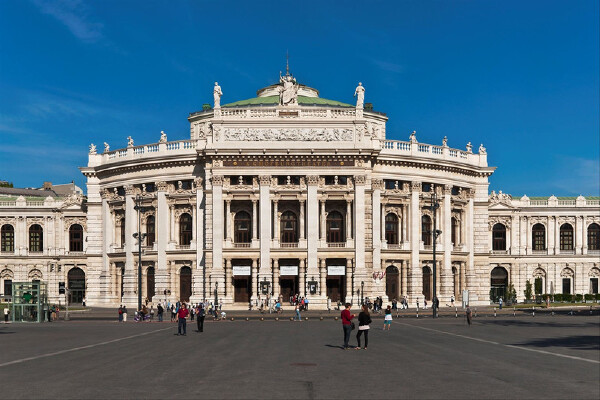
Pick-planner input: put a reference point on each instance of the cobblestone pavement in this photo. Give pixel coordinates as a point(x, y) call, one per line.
point(505, 357)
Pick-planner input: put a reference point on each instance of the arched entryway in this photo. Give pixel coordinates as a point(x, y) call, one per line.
point(185, 283)
point(76, 285)
point(392, 283)
point(498, 283)
point(150, 291)
point(427, 283)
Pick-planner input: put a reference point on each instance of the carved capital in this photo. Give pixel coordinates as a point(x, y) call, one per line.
point(198, 183)
point(264, 179)
point(377, 184)
point(360, 179)
point(129, 190)
point(312, 180)
point(161, 186)
point(217, 180)
point(415, 186)
point(447, 189)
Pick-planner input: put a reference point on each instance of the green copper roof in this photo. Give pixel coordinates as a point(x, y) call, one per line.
point(274, 100)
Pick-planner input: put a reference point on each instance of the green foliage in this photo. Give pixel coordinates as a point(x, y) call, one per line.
point(492, 294)
point(538, 285)
point(511, 293)
point(567, 297)
point(6, 184)
point(528, 290)
point(579, 298)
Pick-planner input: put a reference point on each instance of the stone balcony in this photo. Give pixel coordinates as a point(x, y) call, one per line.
point(422, 150)
point(153, 150)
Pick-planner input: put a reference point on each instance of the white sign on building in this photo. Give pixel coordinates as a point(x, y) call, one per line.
point(241, 271)
point(288, 270)
point(336, 270)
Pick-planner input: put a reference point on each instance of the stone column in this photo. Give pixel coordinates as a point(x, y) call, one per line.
point(254, 221)
point(470, 242)
point(463, 280)
point(404, 223)
point(551, 235)
point(583, 235)
point(301, 219)
point(312, 211)
point(323, 221)
point(172, 224)
point(130, 278)
point(265, 227)
point(107, 229)
point(378, 218)
point(415, 278)
point(359, 217)
point(556, 237)
point(217, 270)
point(577, 230)
point(228, 292)
point(276, 231)
point(162, 238)
point(276, 285)
point(446, 282)
point(348, 219)
point(404, 277)
point(382, 223)
point(301, 276)
point(197, 276)
point(228, 220)
point(350, 289)
point(323, 278)
point(514, 232)
point(523, 241)
point(255, 284)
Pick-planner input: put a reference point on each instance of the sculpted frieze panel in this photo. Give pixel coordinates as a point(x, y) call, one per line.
point(566, 220)
point(288, 134)
point(75, 220)
point(500, 197)
point(499, 220)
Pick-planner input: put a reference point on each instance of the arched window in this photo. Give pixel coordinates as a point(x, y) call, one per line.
point(185, 283)
point(185, 229)
point(566, 237)
point(241, 227)
point(289, 231)
point(76, 284)
point(150, 230)
point(392, 282)
point(122, 231)
point(76, 238)
point(499, 237)
point(426, 230)
point(454, 234)
point(391, 228)
point(335, 227)
point(150, 285)
point(36, 239)
point(593, 237)
point(427, 278)
point(8, 238)
point(538, 237)
point(498, 283)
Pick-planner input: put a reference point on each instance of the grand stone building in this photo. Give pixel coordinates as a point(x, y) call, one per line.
point(289, 193)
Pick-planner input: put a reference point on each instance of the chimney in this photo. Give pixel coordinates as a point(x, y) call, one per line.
point(47, 185)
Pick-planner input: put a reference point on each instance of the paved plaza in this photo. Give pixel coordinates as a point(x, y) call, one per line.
point(505, 357)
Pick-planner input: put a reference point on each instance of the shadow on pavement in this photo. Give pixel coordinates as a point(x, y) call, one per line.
point(334, 347)
point(536, 323)
point(573, 342)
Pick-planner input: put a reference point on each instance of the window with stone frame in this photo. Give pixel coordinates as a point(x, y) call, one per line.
point(7, 238)
point(454, 234)
point(426, 230)
point(593, 237)
point(185, 229)
point(241, 227)
point(76, 238)
point(391, 228)
point(122, 232)
point(36, 238)
point(538, 237)
point(150, 230)
point(566, 237)
point(335, 227)
point(289, 227)
point(499, 237)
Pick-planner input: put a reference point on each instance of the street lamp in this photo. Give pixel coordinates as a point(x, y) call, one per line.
point(140, 237)
point(435, 233)
point(216, 295)
point(362, 292)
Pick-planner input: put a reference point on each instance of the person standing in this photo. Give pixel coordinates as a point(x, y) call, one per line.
point(500, 302)
point(182, 314)
point(160, 311)
point(306, 303)
point(6, 312)
point(347, 324)
point(124, 313)
point(387, 322)
point(200, 318)
point(120, 313)
point(298, 312)
point(452, 301)
point(328, 304)
point(469, 314)
point(364, 320)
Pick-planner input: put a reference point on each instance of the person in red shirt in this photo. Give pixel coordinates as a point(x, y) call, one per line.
point(181, 323)
point(347, 324)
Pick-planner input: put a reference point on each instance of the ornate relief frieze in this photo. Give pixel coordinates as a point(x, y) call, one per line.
point(538, 220)
point(6, 274)
point(394, 210)
point(499, 220)
point(198, 183)
point(35, 274)
point(75, 220)
point(500, 197)
point(182, 210)
point(456, 215)
point(74, 199)
point(566, 220)
point(35, 221)
point(130, 190)
point(288, 134)
point(567, 273)
point(539, 273)
point(377, 184)
point(594, 272)
point(111, 194)
point(8, 220)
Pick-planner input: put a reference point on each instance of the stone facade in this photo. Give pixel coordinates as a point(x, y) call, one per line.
point(307, 197)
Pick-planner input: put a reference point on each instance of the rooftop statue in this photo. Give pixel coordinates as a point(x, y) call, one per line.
point(129, 141)
point(106, 147)
point(288, 91)
point(217, 93)
point(92, 148)
point(359, 93)
point(163, 137)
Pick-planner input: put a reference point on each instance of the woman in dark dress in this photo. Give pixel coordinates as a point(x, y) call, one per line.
point(364, 320)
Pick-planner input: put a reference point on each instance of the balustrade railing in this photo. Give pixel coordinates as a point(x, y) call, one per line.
point(336, 244)
point(288, 245)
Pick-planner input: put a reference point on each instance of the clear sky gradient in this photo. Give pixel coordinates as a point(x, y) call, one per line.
point(521, 77)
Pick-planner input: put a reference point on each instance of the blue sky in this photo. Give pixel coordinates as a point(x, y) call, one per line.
point(520, 77)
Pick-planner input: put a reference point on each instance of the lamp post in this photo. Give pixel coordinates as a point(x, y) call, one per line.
point(216, 296)
point(140, 237)
point(362, 292)
point(435, 233)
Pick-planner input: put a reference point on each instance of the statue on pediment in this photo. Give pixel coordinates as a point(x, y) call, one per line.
point(217, 93)
point(288, 91)
point(359, 93)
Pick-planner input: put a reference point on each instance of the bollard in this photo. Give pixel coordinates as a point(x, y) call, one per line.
point(494, 312)
point(572, 311)
point(455, 312)
point(247, 319)
point(533, 313)
point(306, 318)
point(417, 313)
point(262, 319)
point(232, 318)
point(291, 319)
point(336, 318)
point(552, 311)
point(321, 318)
point(514, 312)
point(475, 312)
point(590, 310)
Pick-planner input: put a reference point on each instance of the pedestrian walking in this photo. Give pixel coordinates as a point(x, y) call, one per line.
point(298, 312)
point(152, 313)
point(6, 312)
point(387, 322)
point(160, 311)
point(469, 315)
point(364, 320)
point(181, 322)
point(173, 313)
point(192, 312)
point(120, 313)
point(306, 304)
point(328, 304)
point(500, 302)
point(200, 319)
point(452, 301)
point(347, 324)
point(124, 313)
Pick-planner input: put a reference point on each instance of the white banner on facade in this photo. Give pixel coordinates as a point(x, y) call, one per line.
point(241, 271)
point(336, 270)
point(288, 270)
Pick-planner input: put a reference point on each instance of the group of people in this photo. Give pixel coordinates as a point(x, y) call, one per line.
point(364, 324)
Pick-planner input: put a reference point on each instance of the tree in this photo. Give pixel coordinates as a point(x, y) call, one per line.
point(528, 290)
point(511, 293)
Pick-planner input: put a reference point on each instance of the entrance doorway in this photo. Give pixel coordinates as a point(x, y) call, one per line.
point(76, 283)
point(241, 289)
point(427, 283)
point(289, 286)
point(185, 283)
point(498, 284)
point(336, 287)
point(392, 282)
point(150, 283)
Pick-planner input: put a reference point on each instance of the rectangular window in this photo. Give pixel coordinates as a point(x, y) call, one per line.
point(566, 285)
point(594, 285)
point(8, 287)
point(539, 240)
point(566, 240)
